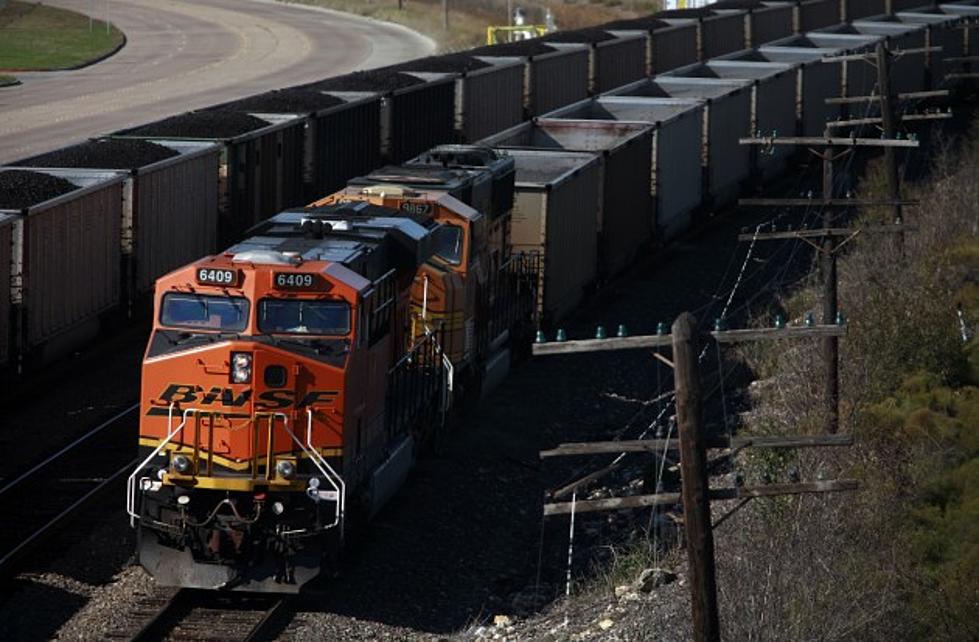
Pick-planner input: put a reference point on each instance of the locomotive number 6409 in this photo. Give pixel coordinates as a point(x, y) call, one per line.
point(211, 276)
point(294, 281)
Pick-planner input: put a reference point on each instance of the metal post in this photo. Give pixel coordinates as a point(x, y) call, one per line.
point(887, 123)
point(106, 17)
point(695, 486)
point(831, 354)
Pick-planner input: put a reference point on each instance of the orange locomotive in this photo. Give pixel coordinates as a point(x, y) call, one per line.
point(289, 381)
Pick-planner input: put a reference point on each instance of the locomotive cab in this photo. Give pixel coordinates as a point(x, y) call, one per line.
point(445, 293)
point(267, 396)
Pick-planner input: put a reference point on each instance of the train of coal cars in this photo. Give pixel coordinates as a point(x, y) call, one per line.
point(291, 378)
point(698, 79)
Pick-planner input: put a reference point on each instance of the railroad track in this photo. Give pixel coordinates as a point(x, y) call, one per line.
point(193, 615)
point(39, 502)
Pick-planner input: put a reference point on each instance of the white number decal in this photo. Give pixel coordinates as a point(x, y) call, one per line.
point(220, 277)
point(293, 280)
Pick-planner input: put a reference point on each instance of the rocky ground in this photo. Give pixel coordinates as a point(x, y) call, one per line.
point(461, 553)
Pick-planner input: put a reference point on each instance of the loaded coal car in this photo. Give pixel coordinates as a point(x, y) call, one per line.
point(290, 381)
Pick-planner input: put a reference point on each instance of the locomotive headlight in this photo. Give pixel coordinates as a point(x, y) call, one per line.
point(285, 469)
point(241, 367)
point(181, 463)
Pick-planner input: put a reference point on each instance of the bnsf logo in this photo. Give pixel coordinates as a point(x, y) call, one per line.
point(271, 399)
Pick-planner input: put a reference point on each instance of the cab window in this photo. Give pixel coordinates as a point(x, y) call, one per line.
point(297, 316)
point(200, 311)
point(448, 243)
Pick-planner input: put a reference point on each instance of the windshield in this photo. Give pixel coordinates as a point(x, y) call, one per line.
point(448, 243)
point(297, 316)
point(229, 314)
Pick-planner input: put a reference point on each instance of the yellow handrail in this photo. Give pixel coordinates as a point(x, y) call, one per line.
point(491, 32)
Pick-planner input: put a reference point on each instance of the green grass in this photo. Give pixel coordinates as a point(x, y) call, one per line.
point(34, 37)
point(7, 81)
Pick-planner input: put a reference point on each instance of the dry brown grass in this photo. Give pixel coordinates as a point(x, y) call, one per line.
point(468, 19)
point(843, 567)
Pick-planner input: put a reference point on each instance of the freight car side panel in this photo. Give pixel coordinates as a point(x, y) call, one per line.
point(6, 253)
point(558, 220)
point(348, 143)
point(279, 167)
point(951, 41)
point(770, 23)
point(908, 72)
point(678, 182)
point(175, 219)
point(571, 249)
point(728, 118)
point(492, 100)
point(72, 263)
point(674, 47)
point(904, 5)
point(557, 80)
point(817, 14)
point(722, 34)
point(856, 9)
point(819, 81)
point(774, 111)
point(626, 204)
point(422, 117)
point(859, 78)
point(618, 62)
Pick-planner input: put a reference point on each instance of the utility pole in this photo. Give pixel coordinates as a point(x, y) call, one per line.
point(696, 485)
point(445, 15)
point(887, 124)
point(831, 345)
point(828, 247)
point(695, 494)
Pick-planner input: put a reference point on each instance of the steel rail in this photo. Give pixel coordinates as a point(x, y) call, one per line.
point(279, 609)
point(66, 449)
point(154, 628)
point(36, 538)
point(172, 613)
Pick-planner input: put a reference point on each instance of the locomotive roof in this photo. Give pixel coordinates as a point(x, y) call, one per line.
point(368, 239)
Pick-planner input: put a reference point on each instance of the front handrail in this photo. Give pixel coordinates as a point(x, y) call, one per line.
point(131, 482)
point(327, 471)
point(331, 475)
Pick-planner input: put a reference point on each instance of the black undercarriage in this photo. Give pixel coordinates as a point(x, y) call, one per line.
point(214, 539)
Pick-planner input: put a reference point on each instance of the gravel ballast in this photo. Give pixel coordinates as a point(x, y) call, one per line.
point(23, 188)
point(200, 124)
point(285, 101)
point(103, 154)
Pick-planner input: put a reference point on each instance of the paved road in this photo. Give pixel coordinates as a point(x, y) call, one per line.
point(185, 54)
